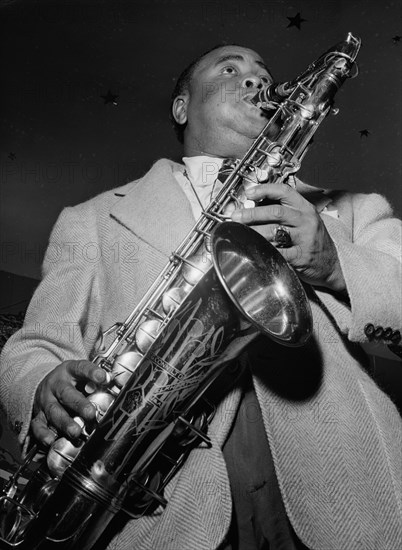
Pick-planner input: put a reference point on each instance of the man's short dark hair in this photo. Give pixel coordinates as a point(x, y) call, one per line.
point(183, 85)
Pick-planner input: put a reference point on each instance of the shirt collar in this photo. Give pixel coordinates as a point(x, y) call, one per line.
point(202, 170)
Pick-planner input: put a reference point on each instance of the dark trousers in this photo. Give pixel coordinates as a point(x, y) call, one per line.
point(259, 519)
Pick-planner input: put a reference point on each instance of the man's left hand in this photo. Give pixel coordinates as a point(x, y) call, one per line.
point(312, 252)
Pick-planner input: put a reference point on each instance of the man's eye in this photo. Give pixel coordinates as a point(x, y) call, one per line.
point(229, 70)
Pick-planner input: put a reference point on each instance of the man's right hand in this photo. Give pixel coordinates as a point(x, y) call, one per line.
point(57, 401)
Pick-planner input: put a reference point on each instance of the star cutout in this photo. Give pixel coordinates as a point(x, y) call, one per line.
point(295, 21)
point(364, 133)
point(12, 156)
point(110, 98)
point(396, 39)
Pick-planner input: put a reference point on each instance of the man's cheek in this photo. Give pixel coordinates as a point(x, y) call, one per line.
point(226, 111)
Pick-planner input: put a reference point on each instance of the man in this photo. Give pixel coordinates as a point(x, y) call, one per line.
point(334, 460)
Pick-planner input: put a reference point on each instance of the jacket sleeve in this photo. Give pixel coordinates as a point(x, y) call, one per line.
point(368, 241)
point(61, 321)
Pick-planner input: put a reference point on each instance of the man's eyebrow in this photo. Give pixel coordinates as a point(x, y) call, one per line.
point(262, 64)
point(238, 57)
point(229, 57)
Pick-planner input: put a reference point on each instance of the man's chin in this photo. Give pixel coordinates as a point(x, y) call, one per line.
point(253, 130)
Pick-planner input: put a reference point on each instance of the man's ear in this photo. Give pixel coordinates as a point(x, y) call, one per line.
point(179, 109)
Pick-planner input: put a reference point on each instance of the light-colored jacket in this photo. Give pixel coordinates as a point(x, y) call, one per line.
point(337, 448)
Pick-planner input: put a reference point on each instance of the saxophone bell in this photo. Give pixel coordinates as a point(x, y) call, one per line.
point(263, 287)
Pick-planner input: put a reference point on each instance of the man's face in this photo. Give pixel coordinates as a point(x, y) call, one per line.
point(221, 120)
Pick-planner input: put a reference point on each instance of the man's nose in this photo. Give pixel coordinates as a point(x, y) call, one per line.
point(251, 82)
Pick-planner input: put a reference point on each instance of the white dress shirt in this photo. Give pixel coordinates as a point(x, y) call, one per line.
point(202, 172)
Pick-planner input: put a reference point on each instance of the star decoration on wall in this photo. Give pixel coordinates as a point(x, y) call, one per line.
point(396, 39)
point(295, 21)
point(110, 98)
point(364, 133)
point(12, 156)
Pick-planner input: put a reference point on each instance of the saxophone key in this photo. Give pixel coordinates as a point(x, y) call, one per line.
point(274, 157)
point(91, 387)
point(61, 455)
point(101, 400)
point(307, 111)
point(196, 266)
point(146, 334)
point(124, 366)
point(172, 299)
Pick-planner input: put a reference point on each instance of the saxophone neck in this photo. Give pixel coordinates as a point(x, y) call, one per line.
point(340, 58)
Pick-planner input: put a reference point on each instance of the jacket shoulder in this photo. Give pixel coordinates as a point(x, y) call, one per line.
point(105, 201)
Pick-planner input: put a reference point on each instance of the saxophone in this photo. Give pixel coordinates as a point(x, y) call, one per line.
point(223, 285)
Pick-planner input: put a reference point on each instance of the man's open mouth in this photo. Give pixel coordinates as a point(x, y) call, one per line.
point(248, 97)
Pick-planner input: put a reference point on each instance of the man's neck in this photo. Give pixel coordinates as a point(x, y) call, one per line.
point(193, 148)
point(199, 153)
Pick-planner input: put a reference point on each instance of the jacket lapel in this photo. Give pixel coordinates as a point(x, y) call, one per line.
point(156, 209)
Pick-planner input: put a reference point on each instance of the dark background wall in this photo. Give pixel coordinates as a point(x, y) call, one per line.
point(61, 143)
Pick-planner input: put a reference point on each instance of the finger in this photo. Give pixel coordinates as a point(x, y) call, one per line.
point(268, 231)
point(273, 213)
point(275, 192)
point(291, 255)
point(41, 430)
point(59, 418)
point(85, 370)
point(74, 401)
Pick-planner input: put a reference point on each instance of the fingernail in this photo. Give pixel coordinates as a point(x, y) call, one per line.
point(89, 411)
point(236, 216)
point(251, 191)
point(49, 440)
point(73, 431)
point(100, 375)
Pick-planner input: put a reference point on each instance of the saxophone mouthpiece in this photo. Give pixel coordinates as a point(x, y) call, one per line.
point(268, 98)
point(354, 43)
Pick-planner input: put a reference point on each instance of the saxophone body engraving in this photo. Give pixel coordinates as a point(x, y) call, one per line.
point(223, 285)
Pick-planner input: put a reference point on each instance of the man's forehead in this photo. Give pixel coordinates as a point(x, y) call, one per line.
point(227, 53)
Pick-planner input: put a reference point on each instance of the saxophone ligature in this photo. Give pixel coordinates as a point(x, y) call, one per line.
point(222, 286)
